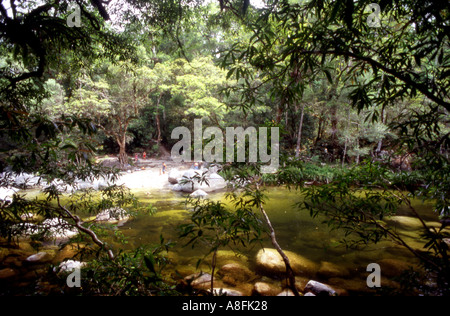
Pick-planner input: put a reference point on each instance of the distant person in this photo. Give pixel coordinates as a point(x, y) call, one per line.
point(136, 157)
point(163, 170)
point(196, 166)
point(144, 155)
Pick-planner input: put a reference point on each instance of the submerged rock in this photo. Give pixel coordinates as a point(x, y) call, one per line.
point(199, 280)
point(270, 262)
point(330, 270)
point(394, 268)
point(406, 222)
point(266, 289)
point(234, 273)
point(356, 286)
point(7, 273)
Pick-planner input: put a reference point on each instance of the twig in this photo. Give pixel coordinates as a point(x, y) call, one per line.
point(78, 224)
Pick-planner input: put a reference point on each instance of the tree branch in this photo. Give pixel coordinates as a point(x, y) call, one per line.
point(406, 79)
point(289, 271)
point(79, 226)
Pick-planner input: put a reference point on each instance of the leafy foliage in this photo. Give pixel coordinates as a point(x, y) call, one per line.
point(138, 273)
point(360, 201)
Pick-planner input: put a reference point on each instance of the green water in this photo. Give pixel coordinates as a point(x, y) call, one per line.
point(296, 232)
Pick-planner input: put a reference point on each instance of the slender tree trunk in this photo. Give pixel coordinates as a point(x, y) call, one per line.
point(346, 138)
point(299, 137)
point(214, 262)
point(289, 271)
point(345, 152)
point(380, 143)
point(158, 122)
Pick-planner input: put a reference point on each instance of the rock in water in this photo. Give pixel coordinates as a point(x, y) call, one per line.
point(41, 257)
point(58, 230)
point(234, 273)
point(6, 195)
point(270, 262)
point(225, 292)
point(199, 194)
point(266, 289)
point(7, 273)
point(330, 270)
point(70, 265)
point(286, 292)
point(319, 289)
point(113, 216)
point(216, 182)
point(199, 280)
point(174, 176)
point(191, 181)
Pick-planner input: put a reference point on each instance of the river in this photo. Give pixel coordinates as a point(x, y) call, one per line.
point(296, 232)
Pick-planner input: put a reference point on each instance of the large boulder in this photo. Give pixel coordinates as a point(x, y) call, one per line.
point(26, 180)
point(6, 195)
point(96, 184)
point(58, 230)
point(269, 262)
point(174, 176)
point(215, 183)
point(114, 215)
point(191, 181)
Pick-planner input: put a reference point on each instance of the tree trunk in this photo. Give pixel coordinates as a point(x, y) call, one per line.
point(299, 137)
point(158, 122)
point(345, 152)
point(380, 143)
point(289, 271)
point(122, 155)
point(122, 142)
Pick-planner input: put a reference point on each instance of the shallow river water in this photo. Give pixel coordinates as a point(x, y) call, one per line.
point(296, 232)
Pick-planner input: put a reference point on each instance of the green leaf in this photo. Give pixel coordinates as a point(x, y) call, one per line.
point(230, 73)
point(328, 74)
point(150, 263)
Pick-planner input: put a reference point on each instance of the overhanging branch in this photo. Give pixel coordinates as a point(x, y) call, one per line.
point(399, 75)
